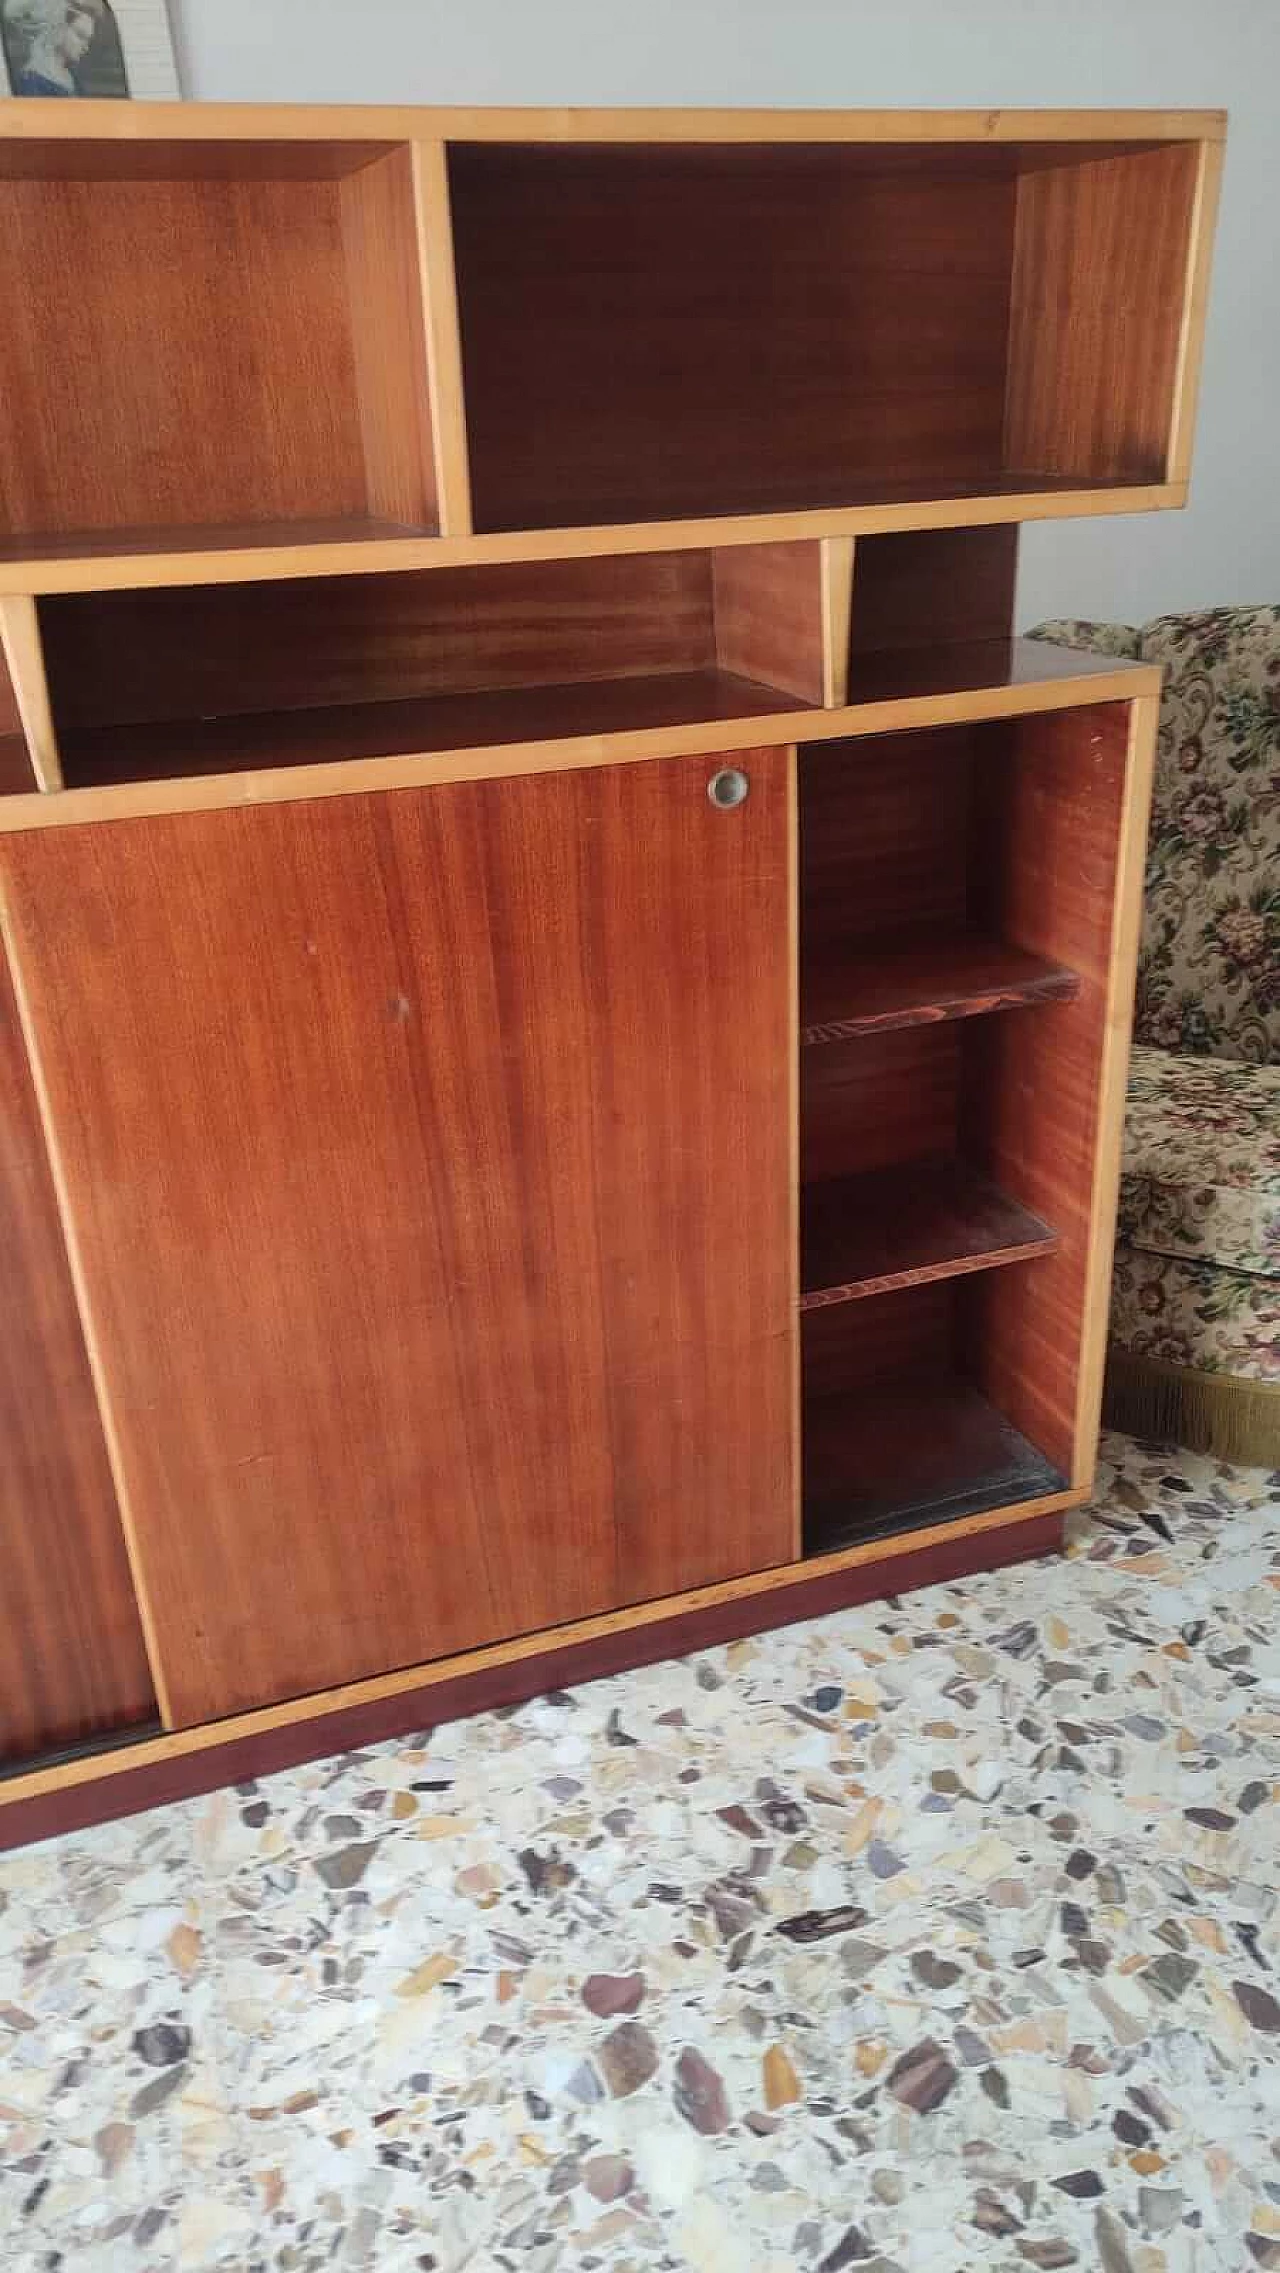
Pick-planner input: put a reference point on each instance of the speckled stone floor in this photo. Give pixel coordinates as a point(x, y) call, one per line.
point(936, 1935)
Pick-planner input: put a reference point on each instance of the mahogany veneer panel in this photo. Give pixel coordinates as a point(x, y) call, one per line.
point(879, 1099)
point(1099, 291)
point(657, 331)
point(1054, 797)
point(413, 1336)
point(72, 1660)
point(134, 658)
point(920, 979)
point(892, 1227)
point(182, 351)
point(931, 587)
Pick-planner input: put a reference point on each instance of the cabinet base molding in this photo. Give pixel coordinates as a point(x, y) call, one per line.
point(71, 1795)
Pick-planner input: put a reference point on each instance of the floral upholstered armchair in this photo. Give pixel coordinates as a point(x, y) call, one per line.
point(1195, 1311)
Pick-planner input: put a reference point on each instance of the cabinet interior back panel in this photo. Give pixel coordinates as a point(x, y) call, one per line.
point(666, 331)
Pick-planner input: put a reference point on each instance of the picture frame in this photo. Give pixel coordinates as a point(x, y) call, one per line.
point(113, 49)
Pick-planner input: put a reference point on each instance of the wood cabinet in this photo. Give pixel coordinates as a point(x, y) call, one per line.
point(407, 1141)
point(571, 976)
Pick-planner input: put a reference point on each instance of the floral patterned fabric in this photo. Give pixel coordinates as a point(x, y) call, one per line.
point(1197, 1269)
point(1209, 969)
point(1201, 1173)
point(1196, 1315)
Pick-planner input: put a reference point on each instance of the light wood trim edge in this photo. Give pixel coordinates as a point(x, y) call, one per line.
point(1186, 384)
point(24, 654)
point(128, 1757)
point(88, 1328)
point(793, 1144)
point(104, 121)
point(345, 777)
point(838, 555)
point(106, 571)
point(1126, 928)
point(444, 343)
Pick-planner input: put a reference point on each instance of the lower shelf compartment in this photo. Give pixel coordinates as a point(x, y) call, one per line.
point(898, 1457)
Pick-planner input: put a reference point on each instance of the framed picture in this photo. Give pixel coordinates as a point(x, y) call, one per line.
point(115, 48)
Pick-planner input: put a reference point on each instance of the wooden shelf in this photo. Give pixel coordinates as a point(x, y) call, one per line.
point(900, 1226)
point(906, 674)
point(872, 986)
point(901, 1456)
point(93, 757)
point(154, 542)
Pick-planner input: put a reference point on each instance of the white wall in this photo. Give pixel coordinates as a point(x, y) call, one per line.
point(992, 53)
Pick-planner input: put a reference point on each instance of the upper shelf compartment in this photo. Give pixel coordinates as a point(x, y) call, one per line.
point(654, 332)
point(207, 339)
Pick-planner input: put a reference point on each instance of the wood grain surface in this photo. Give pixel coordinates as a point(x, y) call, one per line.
point(919, 979)
point(850, 327)
point(769, 616)
point(1053, 792)
point(931, 587)
point(72, 1661)
point(137, 658)
point(413, 1247)
point(1100, 279)
point(216, 383)
point(384, 282)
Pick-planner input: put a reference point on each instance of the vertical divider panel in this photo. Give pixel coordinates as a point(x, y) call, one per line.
point(795, 1158)
point(1126, 929)
point(24, 658)
point(1066, 801)
point(1098, 313)
point(768, 616)
point(838, 562)
point(385, 291)
point(1186, 385)
point(444, 344)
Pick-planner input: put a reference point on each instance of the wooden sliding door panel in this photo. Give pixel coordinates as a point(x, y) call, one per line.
point(72, 1661)
point(428, 1157)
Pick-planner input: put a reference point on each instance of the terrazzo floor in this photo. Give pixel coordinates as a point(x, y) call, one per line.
point(940, 1934)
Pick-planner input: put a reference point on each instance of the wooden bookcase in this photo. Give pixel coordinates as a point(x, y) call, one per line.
point(566, 978)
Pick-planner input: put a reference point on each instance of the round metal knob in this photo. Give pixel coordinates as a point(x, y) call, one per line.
point(728, 788)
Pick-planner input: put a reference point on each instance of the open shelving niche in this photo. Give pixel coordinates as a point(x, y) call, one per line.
point(268, 347)
point(946, 1153)
point(213, 344)
point(155, 686)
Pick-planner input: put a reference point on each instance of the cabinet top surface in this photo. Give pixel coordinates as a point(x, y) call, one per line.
point(49, 120)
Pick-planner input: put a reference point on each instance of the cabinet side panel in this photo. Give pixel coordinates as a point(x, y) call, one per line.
point(384, 287)
point(428, 1158)
point(1100, 279)
point(72, 1660)
point(768, 615)
point(1063, 820)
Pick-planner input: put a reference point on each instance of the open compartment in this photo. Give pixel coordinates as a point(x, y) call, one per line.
point(901, 916)
point(155, 684)
point(940, 1145)
point(210, 336)
point(898, 1432)
point(931, 613)
point(654, 331)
